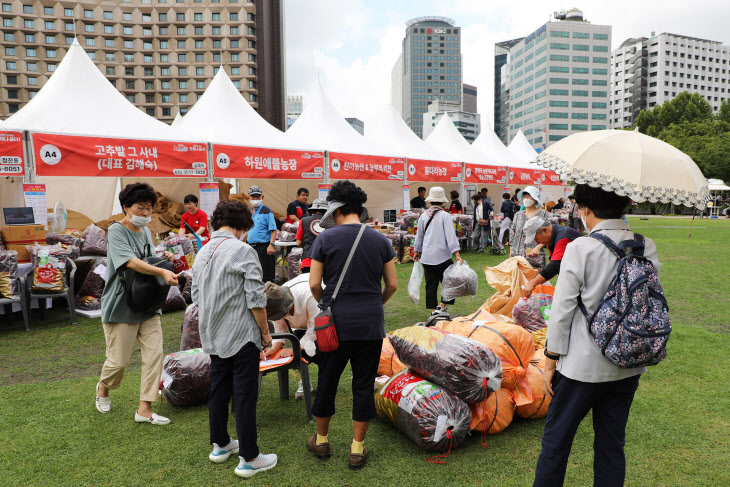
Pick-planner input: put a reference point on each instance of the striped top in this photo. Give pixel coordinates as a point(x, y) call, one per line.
point(225, 290)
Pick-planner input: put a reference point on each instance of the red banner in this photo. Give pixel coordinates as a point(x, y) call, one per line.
point(553, 179)
point(74, 155)
point(11, 153)
point(518, 175)
point(359, 166)
point(260, 163)
point(434, 171)
point(482, 174)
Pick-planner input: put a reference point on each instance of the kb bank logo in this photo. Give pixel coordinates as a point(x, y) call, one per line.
point(50, 154)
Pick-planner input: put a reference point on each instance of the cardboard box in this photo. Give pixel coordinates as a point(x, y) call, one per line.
point(16, 237)
point(383, 228)
point(23, 254)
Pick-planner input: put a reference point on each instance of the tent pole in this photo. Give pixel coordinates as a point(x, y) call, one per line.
point(326, 167)
point(405, 181)
point(209, 153)
point(29, 175)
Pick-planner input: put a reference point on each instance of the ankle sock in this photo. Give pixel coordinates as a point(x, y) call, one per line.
point(322, 439)
point(357, 446)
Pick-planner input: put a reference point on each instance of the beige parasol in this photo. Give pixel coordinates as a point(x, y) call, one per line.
point(630, 164)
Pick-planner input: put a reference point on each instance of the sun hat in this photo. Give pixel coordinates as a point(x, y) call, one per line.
point(254, 190)
point(532, 226)
point(533, 192)
point(279, 300)
point(318, 204)
point(326, 220)
point(437, 195)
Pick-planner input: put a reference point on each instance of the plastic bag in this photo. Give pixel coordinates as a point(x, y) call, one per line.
point(389, 363)
point(494, 414)
point(187, 290)
point(286, 236)
point(186, 377)
point(64, 238)
point(183, 252)
point(174, 301)
point(532, 313)
point(462, 365)
point(94, 241)
point(434, 418)
point(190, 333)
point(92, 288)
point(538, 408)
point(49, 267)
point(290, 227)
point(293, 262)
point(9, 286)
point(414, 283)
point(459, 280)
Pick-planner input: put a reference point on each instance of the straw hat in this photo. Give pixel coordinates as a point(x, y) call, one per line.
point(437, 195)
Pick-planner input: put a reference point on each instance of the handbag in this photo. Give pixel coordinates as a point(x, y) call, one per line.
point(324, 323)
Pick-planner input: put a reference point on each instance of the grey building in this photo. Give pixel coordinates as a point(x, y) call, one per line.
point(428, 69)
point(467, 123)
point(294, 108)
point(651, 70)
point(501, 88)
point(559, 80)
point(357, 124)
point(469, 93)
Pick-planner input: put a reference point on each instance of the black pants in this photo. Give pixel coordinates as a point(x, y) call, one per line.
point(610, 402)
point(267, 261)
point(364, 356)
point(236, 376)
point(434, 275)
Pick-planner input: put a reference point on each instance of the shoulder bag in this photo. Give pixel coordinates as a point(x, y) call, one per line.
point(324, 323)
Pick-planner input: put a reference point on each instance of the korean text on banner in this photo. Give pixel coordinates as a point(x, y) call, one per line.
point(359, 166)
point(209, 197)
point(434, 171)
point(11, 153)
point(260, 163)
point(518, 175)
point(74, 155)
point(481, 174)
point(35, 197)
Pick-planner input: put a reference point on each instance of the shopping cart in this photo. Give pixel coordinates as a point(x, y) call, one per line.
point(497, 245)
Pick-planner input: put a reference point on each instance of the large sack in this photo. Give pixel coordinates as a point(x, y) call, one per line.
point(389, 364)
point(538, 408)
point(532, 314)
point(462, 365)
point(512, 344)
point(507, 280)
point(434, 418)
point(89, 295)
point(94, 243)
point(495, 414)
point(186, 377)
point(174, 301)
point(190, 333)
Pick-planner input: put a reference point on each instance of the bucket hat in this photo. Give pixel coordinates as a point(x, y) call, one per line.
point(437, 195)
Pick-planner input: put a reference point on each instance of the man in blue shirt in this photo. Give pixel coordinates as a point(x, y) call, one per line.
point(263, 234)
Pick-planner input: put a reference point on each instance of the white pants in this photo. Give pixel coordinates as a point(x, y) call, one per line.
point(503, 228)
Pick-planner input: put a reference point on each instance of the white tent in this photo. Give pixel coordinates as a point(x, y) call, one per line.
point(489, 144)
point(178, 117)
point(523, 150)
point(717, 185)
point(392, 133)
point(446, 138)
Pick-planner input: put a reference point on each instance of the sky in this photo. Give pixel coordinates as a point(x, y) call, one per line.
point(348, 48)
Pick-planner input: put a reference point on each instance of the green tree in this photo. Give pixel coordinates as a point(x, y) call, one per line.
point(706, 142)
point(684, 108)
point(723, 115)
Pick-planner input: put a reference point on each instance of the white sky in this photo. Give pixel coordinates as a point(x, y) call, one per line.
point(349, 47)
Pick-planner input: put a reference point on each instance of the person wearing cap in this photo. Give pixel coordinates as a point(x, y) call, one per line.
point(298, 208)
point(293, 311)
point(263, 234)
point(519, 246)
point(420, 200)
point(308, 230)
point(556, 238)
point(436, 242)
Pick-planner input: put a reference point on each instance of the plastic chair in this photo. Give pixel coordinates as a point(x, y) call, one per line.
point(22, 299)
point(68, 294)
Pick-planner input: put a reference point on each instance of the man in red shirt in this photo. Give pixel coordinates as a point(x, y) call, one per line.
point(298, 208)
point(555, 238)
point(194, 217)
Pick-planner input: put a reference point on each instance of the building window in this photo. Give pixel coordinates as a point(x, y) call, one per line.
point(13, 107)
point(68, 26)
point(558, 126)
point(578, 126)
point(559, 33)
point(199, 58)
point(108, 29)
point(236, 71)
point(183, 98)
point(581, 59)
point(9, 36)
point(600, 82)
point(600, 37)
point(30, 38)
point(200, 85)
point(559, 93)
point(554, 57)
point(580, 47)
point(88, 14)
point(111, 70)
point(558, 115)
point(182, 71)
point(580, 93)
point(578, 81)
point(579, 116)
point(12, 66)
point(600, 60)
point(147, 45)
point(235, 58)
point(559, 69)
point(27, 9)
point(605, 49)
point(182, 58)
point(92, 55)
point(181, 44)
point(150, 85)
point(581, 35)
point(30, 52)
point(579, 104)
point(599, 94)
point(252, 97)
point(50, 25)
point(216, 17)
point(598, 116)
point(127, 31)
point(560, 47)
point(7, 22)
point(129, 85)
point(127, 16)
point(166, 112)
point(598, 127)
point(129, 58)
point(128, 44)
point(559, 81)
point(51, 67)
point(600, 71)
point(108, 15)
point(150, 111)
point(165, 85)
point(199, 71)
point(181, 31)
point(148, 72)
point(90, 42)
point(183, 85)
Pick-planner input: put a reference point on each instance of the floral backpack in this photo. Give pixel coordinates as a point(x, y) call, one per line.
point(631, 326)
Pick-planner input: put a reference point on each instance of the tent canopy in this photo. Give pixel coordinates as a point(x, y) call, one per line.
point(523, 151)
point(489, 144)
point(446, 138)
point(717, 185)
point(392, 133)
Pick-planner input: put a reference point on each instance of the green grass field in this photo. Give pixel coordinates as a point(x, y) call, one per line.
point(678, 432)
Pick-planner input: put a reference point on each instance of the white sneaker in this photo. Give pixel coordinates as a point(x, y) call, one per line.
point(300, 391)
point(260, 464)
point(221, 454)
point(103, 404)
point(155, 419)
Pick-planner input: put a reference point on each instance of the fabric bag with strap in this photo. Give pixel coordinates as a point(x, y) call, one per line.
point(324, 323)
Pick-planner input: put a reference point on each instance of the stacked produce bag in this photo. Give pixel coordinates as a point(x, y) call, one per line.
point(186, 377)
point(89, 295)
point(49, 267)
point(9, 287)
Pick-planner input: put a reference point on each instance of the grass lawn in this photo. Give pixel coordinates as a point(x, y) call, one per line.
point(678, 431)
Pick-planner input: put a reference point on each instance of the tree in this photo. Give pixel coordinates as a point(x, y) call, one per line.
point(684, 108)
point(723, 115)
point(706, 143)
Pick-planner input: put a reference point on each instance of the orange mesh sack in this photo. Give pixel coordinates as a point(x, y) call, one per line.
point(494, 414)
point(538, 408)
point(507, 280)
point(389, 364)
point(511, 343)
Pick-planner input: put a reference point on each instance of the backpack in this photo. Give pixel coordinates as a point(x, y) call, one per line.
point(631, 326)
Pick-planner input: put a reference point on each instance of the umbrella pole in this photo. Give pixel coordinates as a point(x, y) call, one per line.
point(692, 224)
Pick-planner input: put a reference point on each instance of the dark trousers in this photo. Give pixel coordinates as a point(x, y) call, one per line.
point(236, 376)
point(434, 276)
point(364, 356)
point(610, 402)
point(267, 261)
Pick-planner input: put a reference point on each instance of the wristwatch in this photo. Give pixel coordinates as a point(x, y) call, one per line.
point(551, 356)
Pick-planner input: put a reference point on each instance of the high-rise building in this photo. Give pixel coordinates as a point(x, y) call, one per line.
point(357, 124)
point(650, 71)
point(559, 79)
point(159, 55)
point(501, 88)
point(270, 50)
point(467, 123)
point(294, 107)
point(470, 98)
point(428, 69)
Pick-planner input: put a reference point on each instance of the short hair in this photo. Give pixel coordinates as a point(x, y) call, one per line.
point(517, 190)
point(137, 193)
point(484, 190)
point(350, 194)
point(317, 210)
point(605, 205)
point(232, 213)
point(505, 196)
point(571, 197)
point(191, 198)
point(421, 188)
point(476, 196)
point(454, 194)
point(302, 190)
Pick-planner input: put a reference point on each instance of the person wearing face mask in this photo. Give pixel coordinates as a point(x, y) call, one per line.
point(127, 244)
point(519, 247)
point(263, 234)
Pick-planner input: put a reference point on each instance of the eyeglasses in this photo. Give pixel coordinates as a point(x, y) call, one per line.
point(147, 209)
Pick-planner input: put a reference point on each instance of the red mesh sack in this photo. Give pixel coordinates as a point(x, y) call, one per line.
point(538, 408)
point(186, 378)
point(190, 333)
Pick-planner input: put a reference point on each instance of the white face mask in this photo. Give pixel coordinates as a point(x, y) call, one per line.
point(140, 221)
point(528, 202)
point(256, 203)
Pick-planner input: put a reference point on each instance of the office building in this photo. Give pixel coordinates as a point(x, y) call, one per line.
point(467, 123)
point(650, 71)
point(159, 55)
point(428, 69)
point(469, 94)
point(294, 107)
point(271, 57)
point(559, 80)
point(357, 124)
point(501, 88)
